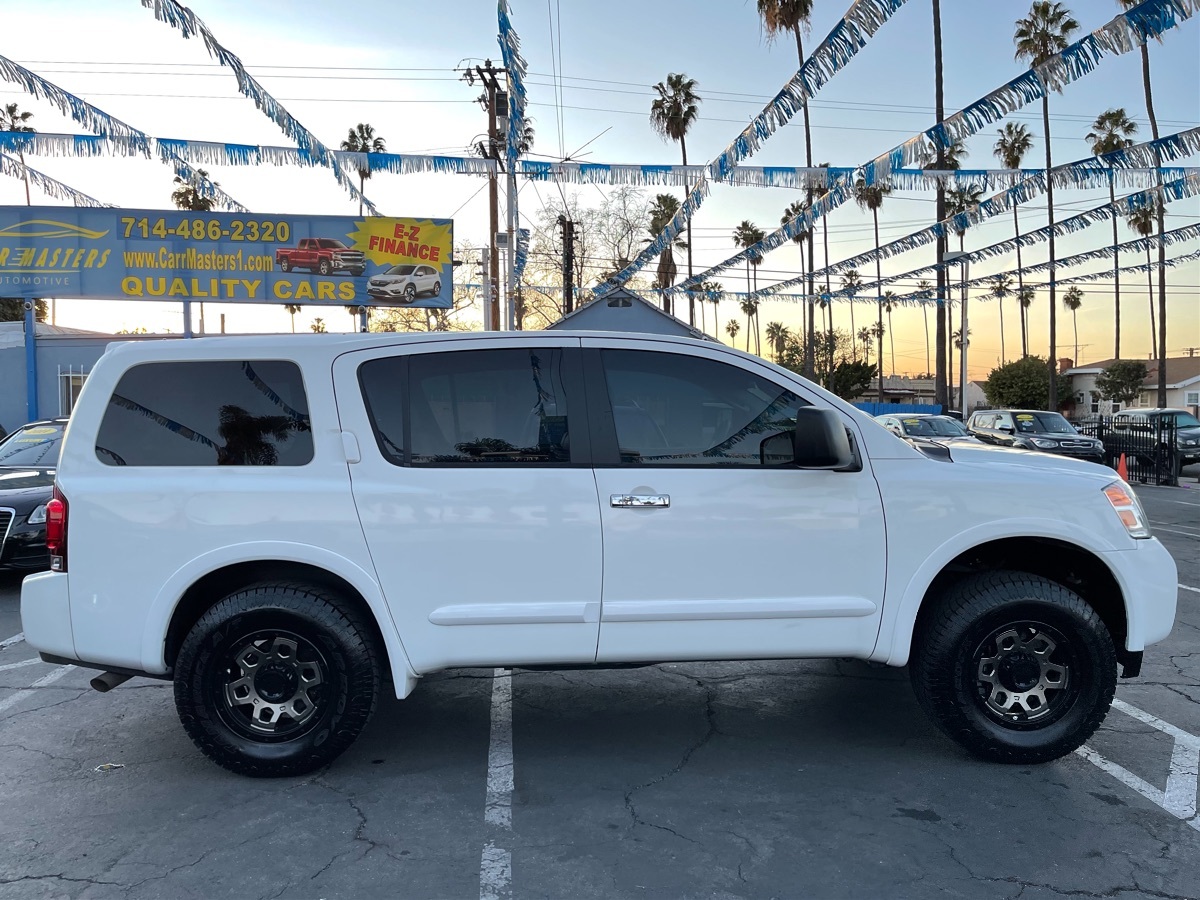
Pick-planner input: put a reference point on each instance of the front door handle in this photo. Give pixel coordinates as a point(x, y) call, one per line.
point(637, 501)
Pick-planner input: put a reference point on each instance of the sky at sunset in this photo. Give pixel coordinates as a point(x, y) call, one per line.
point(392, 65)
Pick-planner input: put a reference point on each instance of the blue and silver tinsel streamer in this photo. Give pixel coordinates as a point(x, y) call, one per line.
point(50, 186)
point(189, 25)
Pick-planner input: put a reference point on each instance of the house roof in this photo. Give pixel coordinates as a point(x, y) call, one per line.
point(1181, 370)
point(625, 297)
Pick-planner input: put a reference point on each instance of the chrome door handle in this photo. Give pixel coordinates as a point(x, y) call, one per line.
point(635, 501)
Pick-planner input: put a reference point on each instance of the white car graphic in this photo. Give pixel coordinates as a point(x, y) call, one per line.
point(405, 281)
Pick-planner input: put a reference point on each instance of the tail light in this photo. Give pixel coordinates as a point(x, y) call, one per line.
point(56, 531)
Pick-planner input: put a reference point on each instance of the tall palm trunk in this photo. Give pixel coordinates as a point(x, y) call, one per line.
point(25, 173)
point(1075, 322)
point(810, 337)
point(691, 301)
point(1161, 354)
point(1112, 197)
point(948, 348)
point(828, 291)
point(879, 304)
point(1000, 300)
point(892, 342)
point(1150, 285)
point(925, 316)
point(1052, 395)
point(1020, 284)
point(941, 383)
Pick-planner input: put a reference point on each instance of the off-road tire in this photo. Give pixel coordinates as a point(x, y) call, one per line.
point(945, 666)
point(350, 662)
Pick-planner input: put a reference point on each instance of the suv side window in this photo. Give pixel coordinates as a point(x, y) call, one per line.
point(479, 407)
point(213, 413)
point(676, 410)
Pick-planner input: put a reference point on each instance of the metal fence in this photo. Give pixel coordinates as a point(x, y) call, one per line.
point(1150, 447)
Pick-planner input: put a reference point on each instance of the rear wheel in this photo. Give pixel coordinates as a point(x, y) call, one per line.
point(277, 680)
point(285, 264)
point(323, 267)
point(1014, 667)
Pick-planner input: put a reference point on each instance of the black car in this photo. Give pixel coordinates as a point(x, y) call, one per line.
point(1031, 429)
point(28, 459)
point(1151, 422)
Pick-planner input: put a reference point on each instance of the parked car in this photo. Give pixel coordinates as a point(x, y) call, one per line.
point(28, 459)
point(942, 429)
point(1031, 429)
point(406, 282)
point(1151, 421)
point(312, 514)
point(322, 255)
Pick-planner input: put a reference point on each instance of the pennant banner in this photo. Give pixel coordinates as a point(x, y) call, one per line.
point(189, 25)
point(46, 184)
point(1127, 31)
point(108, 127)
point(510, 53)
point(848, 36)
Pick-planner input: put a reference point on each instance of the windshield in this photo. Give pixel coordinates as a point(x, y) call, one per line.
point(932, 426)
point(330, 244)
point(1042, 422)
point(401, 270)
point(34, 445)
point(1186, 420)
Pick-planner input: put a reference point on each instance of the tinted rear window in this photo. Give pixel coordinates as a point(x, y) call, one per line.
point(220, 413)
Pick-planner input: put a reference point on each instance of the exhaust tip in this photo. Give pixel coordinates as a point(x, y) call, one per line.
point(106, 681)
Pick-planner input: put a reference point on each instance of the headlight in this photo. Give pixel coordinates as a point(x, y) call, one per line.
point(38, 516)
point(1044, 444)
point(1128, 509)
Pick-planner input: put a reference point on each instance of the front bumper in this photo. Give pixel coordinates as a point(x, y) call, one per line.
point(25, 549)
point(1149, 583)
point(46, 614)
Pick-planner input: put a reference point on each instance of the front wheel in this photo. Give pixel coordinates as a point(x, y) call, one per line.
point(323, 267)
point(1014, 667)
point(277, 680)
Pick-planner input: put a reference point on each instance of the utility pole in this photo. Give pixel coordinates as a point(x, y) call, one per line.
point(486, 74)
point(568, 263)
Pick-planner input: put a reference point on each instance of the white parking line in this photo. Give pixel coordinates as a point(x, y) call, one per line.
point(21, 664)
point(1188, 587)
point(495, 867)
point(1179, 796)
point(1190, 534)
point(9, 641)
point(16, 698)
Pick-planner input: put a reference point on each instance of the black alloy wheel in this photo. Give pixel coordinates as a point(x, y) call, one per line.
point(1014, 667)
point(277, 679)
point(410, 293)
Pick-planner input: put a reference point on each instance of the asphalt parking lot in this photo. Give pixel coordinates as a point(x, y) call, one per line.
point(783, 779)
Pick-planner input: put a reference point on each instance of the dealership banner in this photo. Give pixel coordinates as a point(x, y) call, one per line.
point(139, 254)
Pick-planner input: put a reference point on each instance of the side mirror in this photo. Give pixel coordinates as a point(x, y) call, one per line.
point(820, 440)
point(1007, 429)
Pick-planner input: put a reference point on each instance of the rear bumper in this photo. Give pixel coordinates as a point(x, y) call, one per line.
point(46, 614)
point(1149, 582)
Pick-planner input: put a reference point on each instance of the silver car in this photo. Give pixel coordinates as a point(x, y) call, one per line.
point(943, 429)
point(405, 282)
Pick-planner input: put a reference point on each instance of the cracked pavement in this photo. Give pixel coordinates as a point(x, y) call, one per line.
point(717, 780)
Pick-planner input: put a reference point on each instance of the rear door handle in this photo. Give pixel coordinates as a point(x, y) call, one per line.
point(637, 501)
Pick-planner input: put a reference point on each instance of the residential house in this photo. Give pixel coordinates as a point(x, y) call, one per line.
point(1183, 385)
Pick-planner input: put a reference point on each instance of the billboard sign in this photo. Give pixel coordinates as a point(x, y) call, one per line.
point(140, 254)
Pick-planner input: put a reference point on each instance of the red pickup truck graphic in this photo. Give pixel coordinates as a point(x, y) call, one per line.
point(321, 255)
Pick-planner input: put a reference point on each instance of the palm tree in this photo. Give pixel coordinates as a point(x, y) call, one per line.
point(940, 385)
point(1045, 32)
point(777, 336)
point(750, 311)
point(292, 310)
point(1142, 221)
point(865, 334)
point(851, 281)
point(662, 211)
point(794, 209)
point(318, 326)
point(1112, 131)
point(1162, 247)
point(924, 292)
point(889, 303)
point(714, 291)
point(1001, 288)
point(1014, 142)
point(870, 197)
point(1072, 300)
point(795, 16)
point(958, 200)
point(13, 119)
point(672, 115)
point(747, 234)
point(1025, 297)
point(362, 139)
point(732, 328)
point(187, 194)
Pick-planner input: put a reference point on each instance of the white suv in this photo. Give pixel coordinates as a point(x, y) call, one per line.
point(278, 524)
